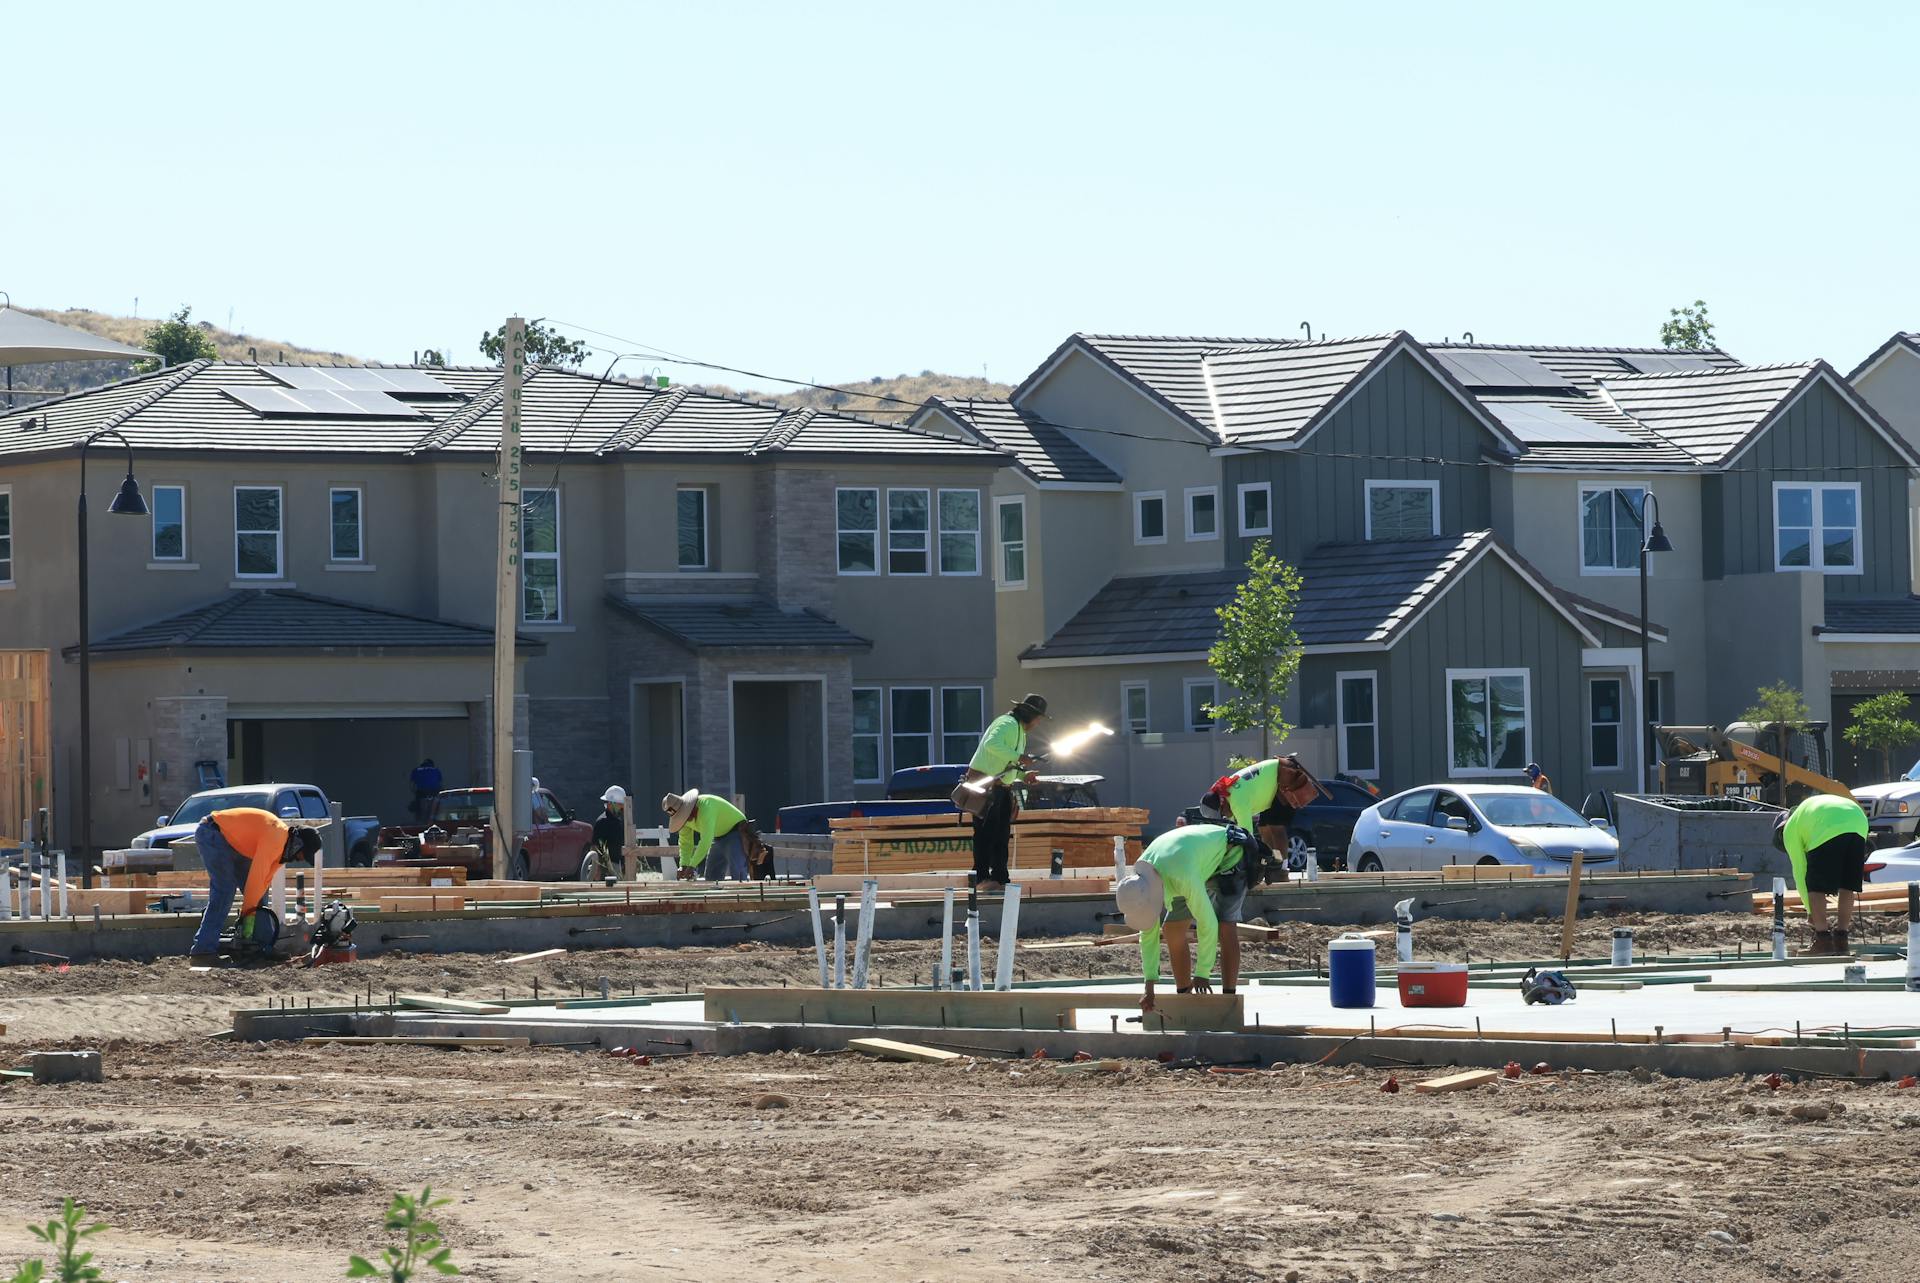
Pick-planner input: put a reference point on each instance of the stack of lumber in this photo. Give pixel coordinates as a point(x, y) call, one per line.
point(942, 843)
point(1876, 897)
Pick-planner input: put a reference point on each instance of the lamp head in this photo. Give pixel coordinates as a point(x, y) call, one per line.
point(128, 502)
point(1657, 540)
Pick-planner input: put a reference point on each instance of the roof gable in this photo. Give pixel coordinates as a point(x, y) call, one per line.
point(1041, 450)
point(283, 620)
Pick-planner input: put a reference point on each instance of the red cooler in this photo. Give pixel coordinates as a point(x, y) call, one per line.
point(1433, 984)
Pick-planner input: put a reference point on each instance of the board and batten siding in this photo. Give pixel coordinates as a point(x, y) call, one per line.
point(1389, 430)
point(1820, 439)
point(1492, 618)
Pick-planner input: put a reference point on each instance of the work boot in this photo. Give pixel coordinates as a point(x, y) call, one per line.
point(1821, 946)
point(197, 960)
point(1841, 949)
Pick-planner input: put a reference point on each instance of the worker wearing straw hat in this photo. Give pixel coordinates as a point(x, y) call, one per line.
point(1000, 762)
point(1197, 871)
point(712, 837)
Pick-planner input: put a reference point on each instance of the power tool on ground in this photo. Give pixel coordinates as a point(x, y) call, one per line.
point(331, 940)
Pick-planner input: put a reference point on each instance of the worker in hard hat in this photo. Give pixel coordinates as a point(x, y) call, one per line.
point(610, 826)
point(712, 840)
point(1198, 872)
point(243, 846)
point(1825, 838)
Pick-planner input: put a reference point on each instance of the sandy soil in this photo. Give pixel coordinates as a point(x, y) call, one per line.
point(216, 1161)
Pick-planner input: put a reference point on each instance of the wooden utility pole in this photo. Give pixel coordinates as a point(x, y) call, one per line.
point(506, 604)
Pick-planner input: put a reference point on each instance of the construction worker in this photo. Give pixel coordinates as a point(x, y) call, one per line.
point(610, 826)
point(711, 838)
point(1002, 759)
point(1538, 778)
point(426, 780)
point(1825, 838)
point(244, 843)
point(1251, 798)
point(1197, 871)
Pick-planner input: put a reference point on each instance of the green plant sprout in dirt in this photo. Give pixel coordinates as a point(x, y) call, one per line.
point(64, 1236)
point(420, 1250)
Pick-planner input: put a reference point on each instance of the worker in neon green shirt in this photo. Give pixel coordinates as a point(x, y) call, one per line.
point(1002, 762)
point(712, 840)
point(1251, 798)
point(1197, 871)
point(1825, 838)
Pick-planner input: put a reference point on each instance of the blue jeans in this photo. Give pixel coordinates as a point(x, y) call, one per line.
point(727, 858)
point(225, 867)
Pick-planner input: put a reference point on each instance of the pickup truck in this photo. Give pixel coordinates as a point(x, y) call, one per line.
point(289, 801)
point(554, 848)
point(928, 790)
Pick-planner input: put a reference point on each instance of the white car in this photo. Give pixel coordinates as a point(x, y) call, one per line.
point(1893, 809)
point(1894, 864)
point(1442, 824)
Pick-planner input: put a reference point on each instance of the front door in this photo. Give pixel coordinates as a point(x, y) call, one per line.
point(778, 755)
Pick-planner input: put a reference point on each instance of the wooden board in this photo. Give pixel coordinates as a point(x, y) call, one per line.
point(1064, 816)
point(941, 855)
point(1457, 1082)
point(933, 1009)
point(427, 1002)
point(535, 957)
point(887, 1049)
point(1032, 882)
point(1485, 873)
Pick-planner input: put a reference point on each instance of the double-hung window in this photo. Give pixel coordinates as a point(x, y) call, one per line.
point(1256, 508)
point(907, 532)
point(1817, 527)
point(1203, 513)
point(1604, 723)
point(963, 718)
point(344, 535)
point(1610, 528)
point(540, 557)
point(690, 527)
point(6, 534)
point(859, 530)
point(1010, 515)
point(1402, 509)
point(169, 523)
point(1488, 727)
point(1133, 707)
point(1202, 693)
point(1358, 698)
point(256, 532)
point(959, 532)
point(1150, 517)
point(867, 730)
point(912, 726)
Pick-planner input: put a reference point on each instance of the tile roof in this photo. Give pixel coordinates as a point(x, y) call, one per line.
point(1042, 450)
point(285, 620)
point(1900, 338)
point(1366, 592)
point(194, 407)
point(737, 623)
point(1276, 393)
point(1872, 615)
point(1709, 414)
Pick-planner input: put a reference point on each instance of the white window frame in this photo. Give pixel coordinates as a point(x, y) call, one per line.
point(932, 732)
point(1240, 506)
point(926, 534)
point(279, 535)
point(1580, 527)
point(974, 732)
point(153, 530)
point(878, 532)
point(1816, 552)
point(1372, 677)
point(1140, 498)
point(1194, 492)
point(1187, 688)
point(1622, 728)
point(940, 531)
point(1023, 543)
point(1146, 708)
point(360, 525)
point(6, 562)
point(1446, 719)
point(706, 529)
point(1385, 483)
point(558, 557)
point(879, 737)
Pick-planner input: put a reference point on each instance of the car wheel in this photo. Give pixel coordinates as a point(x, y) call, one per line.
point(1298, 853)
point(361, 857)
point(1371, 864)
point(519, 869)
point(592, 867)
point(1485, 860)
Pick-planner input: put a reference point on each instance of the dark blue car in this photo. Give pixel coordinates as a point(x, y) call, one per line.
point(1323, 827)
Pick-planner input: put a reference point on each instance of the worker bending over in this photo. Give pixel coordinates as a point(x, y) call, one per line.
point(1255, 799)
point(1002, 760)
point(1825, 838)
point(712, 836)
point(1197, 871)
point(242, 843)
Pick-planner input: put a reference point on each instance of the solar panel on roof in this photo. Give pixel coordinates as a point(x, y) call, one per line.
point(1536, 423)
point(359, 379)
point(1662, 363)
point(1479, 368)
point(317, 403)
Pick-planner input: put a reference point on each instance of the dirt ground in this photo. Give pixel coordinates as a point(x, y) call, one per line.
point(241, 1163)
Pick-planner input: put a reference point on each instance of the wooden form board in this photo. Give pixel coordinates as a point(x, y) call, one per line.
point(894, 883)
point(933, 1009)
point(394, 877)
point(428, 1002)
point(888, 1049)
point(1458, 1082)
point(937, 855)
point(26, 780)
point(455, 1044)
point(1056, 816)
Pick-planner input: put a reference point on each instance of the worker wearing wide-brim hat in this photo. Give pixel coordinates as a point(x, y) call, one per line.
point(1200, 871)
point(1001, 763)
point(712, 840)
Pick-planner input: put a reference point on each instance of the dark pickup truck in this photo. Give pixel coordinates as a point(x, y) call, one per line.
point(555, 847)
point(928, 790)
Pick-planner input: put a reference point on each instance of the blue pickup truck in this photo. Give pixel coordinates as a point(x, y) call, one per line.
point(290, 801)
point(928, 790)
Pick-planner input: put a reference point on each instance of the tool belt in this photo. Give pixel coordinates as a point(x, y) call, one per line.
point(973, 801)
point(1297, 785)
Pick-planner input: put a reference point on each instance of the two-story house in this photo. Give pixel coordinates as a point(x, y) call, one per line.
point(715, 593)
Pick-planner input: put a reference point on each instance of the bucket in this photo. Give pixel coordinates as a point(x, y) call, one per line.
point(1623, 946)
point(1350, 971)
point(1433, 984)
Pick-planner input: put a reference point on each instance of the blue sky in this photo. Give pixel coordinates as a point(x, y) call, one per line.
point(831, 191)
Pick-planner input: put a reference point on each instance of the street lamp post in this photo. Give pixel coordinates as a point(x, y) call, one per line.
point(126, 503)
point(1656, 541)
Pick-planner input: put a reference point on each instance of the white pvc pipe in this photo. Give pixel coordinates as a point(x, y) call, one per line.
point(6, 893)
point(819, 938)
point(319, 901)
point(279, 897)
point(1009, 938)
point(60, 871)
point(1119, 859)
point(869, 892)
point(943, 979)
point(46, 890)
point(973, 946)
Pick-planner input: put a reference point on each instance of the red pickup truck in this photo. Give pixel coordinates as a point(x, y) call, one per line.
point(555, 847)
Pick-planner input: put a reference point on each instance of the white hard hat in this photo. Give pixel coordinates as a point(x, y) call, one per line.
point(1141, 897)
point(615, 795)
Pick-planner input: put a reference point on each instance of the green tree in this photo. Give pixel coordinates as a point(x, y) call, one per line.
point(1784, 709)
point(435, 357)
point(64, 1236)
point(1882, 724)
point(176, 341)
point(1257, 654)
point(1687, 329)
point(419, 1249)
point(544, 347)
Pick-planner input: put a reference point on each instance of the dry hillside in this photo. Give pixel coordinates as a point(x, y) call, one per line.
point(879, 398)
point(71, 376)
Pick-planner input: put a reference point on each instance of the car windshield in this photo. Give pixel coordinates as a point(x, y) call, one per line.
point(463, 808)
point(1913, 772)
point(1536, 810)
point(201, 805)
